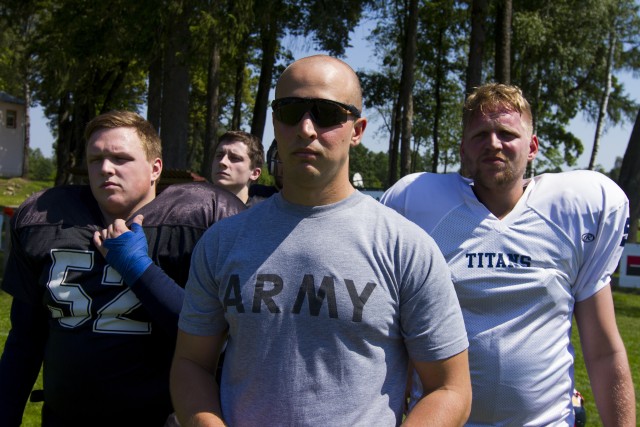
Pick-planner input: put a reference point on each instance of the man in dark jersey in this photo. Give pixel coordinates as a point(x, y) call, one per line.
point(105, 329)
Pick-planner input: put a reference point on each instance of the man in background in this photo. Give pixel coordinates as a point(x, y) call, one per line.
point(237, 163)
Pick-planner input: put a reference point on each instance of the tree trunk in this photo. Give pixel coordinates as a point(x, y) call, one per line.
point(117, 79)
point(269, 40)
point(405, 147)
point(175, 95)
point(503, 41)
point(213, 108)
point(604, 101)
point(440, 78)
point(406, 85)
point(476, 44)
point(63, 151)
point(629, 179)
point(82, 114)
point(27, 129)
point(241, 62)
point(394, 143)
point(154, 95)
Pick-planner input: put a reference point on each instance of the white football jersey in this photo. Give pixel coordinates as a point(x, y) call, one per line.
point(518, 280)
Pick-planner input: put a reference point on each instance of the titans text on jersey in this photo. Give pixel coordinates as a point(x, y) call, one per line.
point(497, 260)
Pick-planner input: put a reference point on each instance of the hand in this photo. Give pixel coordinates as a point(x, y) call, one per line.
point(114, 230)
point(125, 250)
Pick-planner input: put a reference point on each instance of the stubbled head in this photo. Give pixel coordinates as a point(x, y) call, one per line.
point(318, 72)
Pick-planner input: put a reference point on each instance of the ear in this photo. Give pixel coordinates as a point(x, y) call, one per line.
point(533, 148)
point(156, 168)
point(358, 131)
point(255, 174)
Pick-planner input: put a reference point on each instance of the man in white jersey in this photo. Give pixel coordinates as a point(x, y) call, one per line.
point(526, 255)
point(324, 308)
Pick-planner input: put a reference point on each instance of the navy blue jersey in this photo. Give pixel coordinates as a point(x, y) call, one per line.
point(109, 346)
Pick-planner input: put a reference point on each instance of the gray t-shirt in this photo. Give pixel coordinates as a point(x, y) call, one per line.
point(323, 306)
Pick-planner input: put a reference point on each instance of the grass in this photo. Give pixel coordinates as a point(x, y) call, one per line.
point(627, 306)
point(13, 191)
point(627, 303)
point(31, 416)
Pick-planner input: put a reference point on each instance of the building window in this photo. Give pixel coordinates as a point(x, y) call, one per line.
point(11, 119)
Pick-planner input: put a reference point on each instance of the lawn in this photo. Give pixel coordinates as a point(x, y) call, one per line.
point(32, 411)
point(627, 305)
point(13, 191)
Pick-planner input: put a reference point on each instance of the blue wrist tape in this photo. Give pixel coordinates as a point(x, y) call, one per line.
point(128, 254)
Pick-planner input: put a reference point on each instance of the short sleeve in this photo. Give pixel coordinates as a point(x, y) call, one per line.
point(202, 311)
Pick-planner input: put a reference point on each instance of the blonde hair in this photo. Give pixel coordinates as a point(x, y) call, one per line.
point(149, 138)
point(489, 97)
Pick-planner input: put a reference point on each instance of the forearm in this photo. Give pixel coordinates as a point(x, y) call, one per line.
point(613, 389)
point(444, 407)
point(606, 359)
point(195, 395)
point(127, 252)
point(161, 297)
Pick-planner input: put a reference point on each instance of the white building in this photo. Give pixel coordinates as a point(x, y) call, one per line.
point(12, 135)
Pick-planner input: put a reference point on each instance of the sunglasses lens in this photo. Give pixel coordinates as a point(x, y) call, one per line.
point(326, 114)
point(323, 113)
point(291, 114)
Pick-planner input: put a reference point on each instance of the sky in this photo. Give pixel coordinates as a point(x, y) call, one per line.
point(613, 143)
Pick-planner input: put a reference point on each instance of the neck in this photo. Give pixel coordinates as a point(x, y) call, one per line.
point(315, 197)
point(499, 201)
point(243, 194)
point(124, 214)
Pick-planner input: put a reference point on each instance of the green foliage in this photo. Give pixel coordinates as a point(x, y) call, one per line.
point(329, 23)
point(79, 58)
point(266, 178)
point(99, 55)
point(372, 166)
point(40, 167)
point(16, 35)
point(558, 52)
point(559, 60)
point(614, 173)
point(439, 73)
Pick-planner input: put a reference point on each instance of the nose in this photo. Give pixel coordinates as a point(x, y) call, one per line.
point(106, 167)
point(307, 127)
point(223, 162)
point(494, 141)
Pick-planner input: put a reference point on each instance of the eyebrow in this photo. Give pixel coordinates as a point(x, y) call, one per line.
point(230, 151)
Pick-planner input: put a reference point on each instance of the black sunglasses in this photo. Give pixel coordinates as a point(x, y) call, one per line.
point(324, 112)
